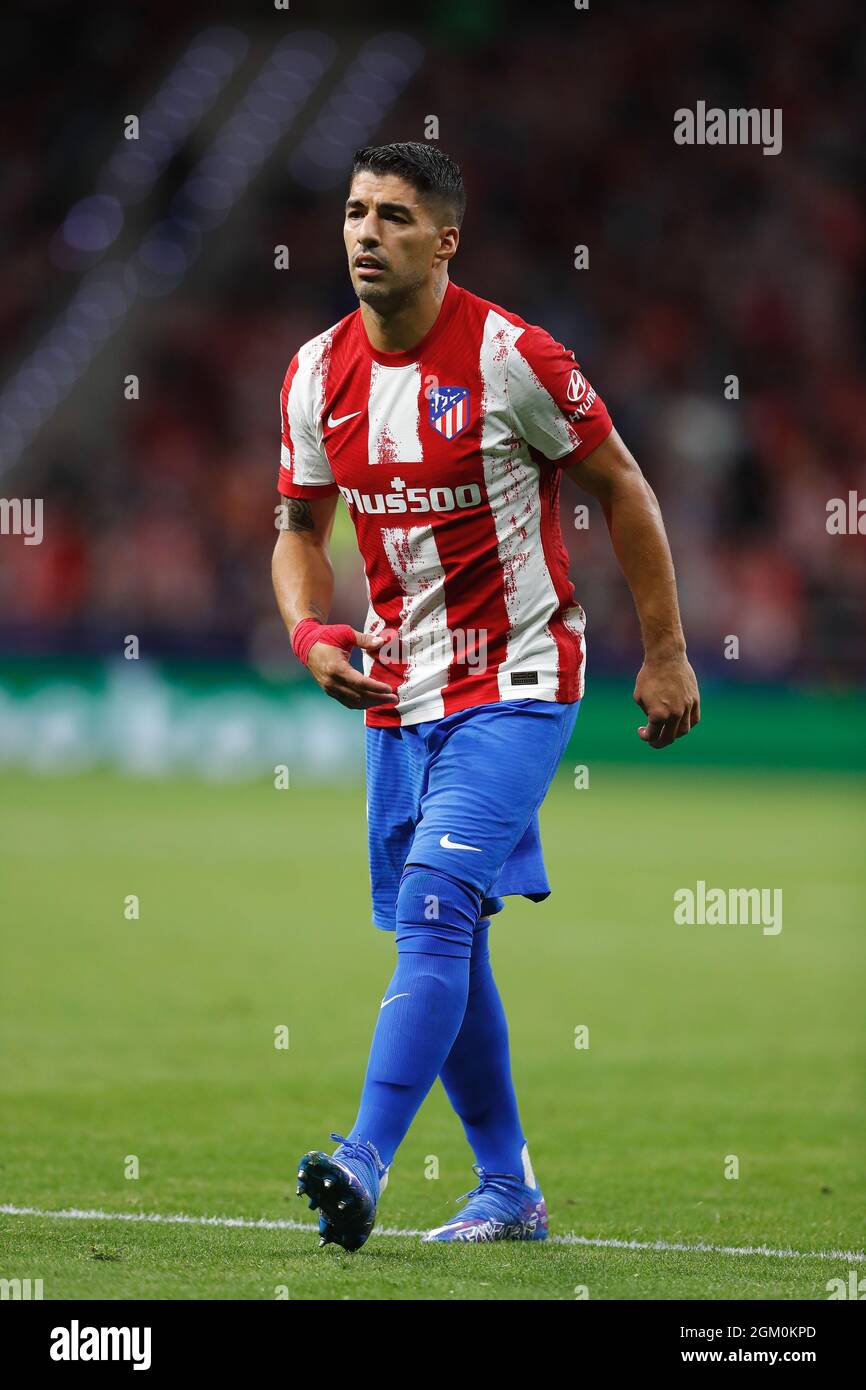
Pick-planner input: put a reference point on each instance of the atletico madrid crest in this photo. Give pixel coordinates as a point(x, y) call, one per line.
point(449, 410)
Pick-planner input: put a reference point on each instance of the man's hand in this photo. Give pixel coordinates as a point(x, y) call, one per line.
point(667, 691)
point(304, 587)
point(330, 667)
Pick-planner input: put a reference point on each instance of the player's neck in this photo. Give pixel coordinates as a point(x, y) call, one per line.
point(399, 329)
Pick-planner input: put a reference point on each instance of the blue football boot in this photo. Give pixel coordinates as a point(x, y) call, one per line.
point(344, 1187)
point(502, 1207)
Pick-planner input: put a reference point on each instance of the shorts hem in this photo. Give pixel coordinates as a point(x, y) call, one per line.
point(534, 895)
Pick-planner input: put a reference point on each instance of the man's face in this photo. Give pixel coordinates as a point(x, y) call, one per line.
point(392, 239)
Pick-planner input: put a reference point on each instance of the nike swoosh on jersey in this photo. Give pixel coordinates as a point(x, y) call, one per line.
point(447, 843)
point(332, 421)
point(405, 995)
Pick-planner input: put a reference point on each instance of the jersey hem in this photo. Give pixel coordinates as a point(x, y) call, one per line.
point(433, 709)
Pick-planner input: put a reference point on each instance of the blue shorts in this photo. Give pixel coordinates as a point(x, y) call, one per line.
point(462, 794)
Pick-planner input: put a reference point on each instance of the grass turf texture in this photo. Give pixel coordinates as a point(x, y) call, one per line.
point(155, 1038)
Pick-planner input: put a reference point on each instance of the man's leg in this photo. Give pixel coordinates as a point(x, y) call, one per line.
point(419, 1018)
point(447, 873)
point(507, 1204)
point(422, 1008)
point(477, 1072)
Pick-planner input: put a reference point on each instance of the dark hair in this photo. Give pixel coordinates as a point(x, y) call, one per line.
point(429, 170)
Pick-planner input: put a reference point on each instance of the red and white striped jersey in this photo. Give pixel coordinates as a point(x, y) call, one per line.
point(448, 457)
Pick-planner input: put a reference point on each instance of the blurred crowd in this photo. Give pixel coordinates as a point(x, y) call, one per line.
point(722, 317)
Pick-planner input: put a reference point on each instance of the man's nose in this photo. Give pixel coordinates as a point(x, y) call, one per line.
point(368, 231)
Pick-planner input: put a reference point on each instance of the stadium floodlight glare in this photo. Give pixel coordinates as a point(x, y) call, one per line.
point(249, 136)
point(59, 362)
point(168, 248)
point(366, 91)
point(94, 223)
point(38, 385)
point(97, 309)
point(187, 93)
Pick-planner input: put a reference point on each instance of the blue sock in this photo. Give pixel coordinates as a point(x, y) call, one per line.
point(423, 1006)
point(477, 1072)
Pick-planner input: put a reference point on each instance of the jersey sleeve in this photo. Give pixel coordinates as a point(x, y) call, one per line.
point(304, 467)
point(553, 407)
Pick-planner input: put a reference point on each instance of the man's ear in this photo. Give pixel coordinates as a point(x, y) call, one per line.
point(449, 240)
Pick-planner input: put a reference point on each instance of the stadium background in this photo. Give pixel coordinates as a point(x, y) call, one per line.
point(155, 257)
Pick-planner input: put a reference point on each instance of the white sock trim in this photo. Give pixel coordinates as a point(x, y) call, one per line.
point(528, 1175)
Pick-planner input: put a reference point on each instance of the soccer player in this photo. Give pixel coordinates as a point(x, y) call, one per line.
point(446, 423)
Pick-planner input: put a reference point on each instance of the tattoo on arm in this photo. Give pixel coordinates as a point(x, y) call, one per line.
point(295, 515)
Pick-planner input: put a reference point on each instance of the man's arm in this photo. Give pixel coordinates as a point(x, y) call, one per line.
point(304, 588)
point(666, 688)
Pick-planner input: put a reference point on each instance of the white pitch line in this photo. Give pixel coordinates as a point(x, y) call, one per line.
point(264, 1223)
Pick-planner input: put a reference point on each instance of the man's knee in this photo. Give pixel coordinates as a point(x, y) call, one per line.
point(436, 914)
point(480, 963)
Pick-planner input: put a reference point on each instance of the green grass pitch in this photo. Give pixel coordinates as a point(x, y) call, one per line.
point(155, 1039)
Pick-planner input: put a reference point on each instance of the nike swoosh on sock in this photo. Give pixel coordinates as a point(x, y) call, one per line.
point(405, 995)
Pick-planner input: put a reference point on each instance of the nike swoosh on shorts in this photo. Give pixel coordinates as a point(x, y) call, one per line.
point(447, 843)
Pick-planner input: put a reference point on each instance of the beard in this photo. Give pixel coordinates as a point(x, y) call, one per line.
point(388, 299)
